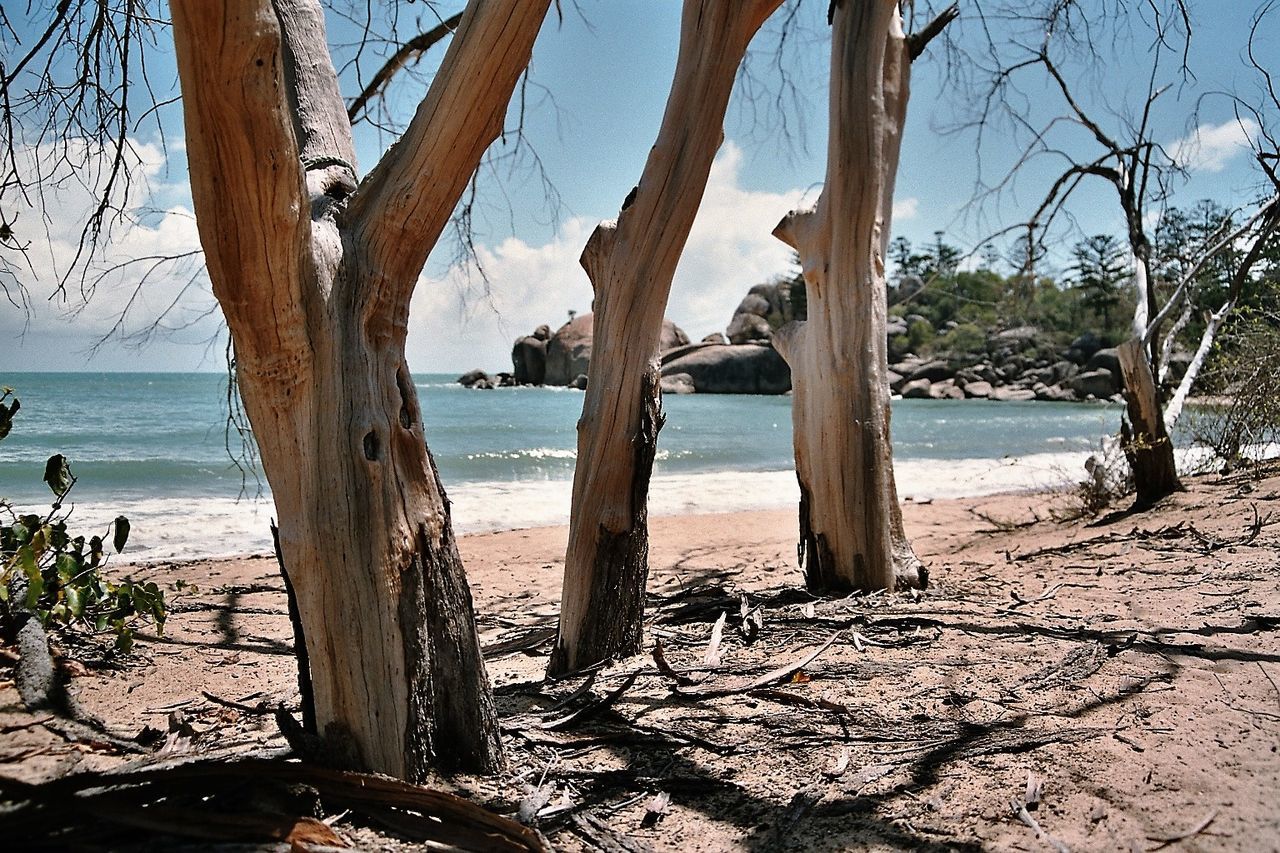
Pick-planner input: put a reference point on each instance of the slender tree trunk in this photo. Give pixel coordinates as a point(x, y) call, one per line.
point(314, 272)
point(631, 263)
point(851, 534)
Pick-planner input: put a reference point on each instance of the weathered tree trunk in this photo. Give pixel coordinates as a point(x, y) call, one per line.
point(1145, 438)
point(631, 263)
point(851, 534)
point(314, 272)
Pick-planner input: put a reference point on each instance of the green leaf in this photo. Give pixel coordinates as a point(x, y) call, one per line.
point(121, 533)
point(75, 604)
point(68, 567)
point(57, 473)
point(35, 589)
point(95, 550)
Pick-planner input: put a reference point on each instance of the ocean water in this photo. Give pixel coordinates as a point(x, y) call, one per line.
point(154, 447)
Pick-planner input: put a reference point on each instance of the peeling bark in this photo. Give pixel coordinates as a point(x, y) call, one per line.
point(851, 533)
point(631, 263)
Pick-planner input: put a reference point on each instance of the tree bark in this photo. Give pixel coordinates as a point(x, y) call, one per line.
point(631, 263)
point(1145, 437)
point(851, 534)
point(314, 272)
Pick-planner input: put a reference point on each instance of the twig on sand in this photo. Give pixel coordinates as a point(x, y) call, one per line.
point(593, 709)
point(728, 687)
point(1166, 840)
point(261, 709)
point(1021, 813)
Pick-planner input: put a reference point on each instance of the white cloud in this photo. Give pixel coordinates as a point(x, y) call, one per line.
point(60, 331)
point(905, 208)
point(1210, 147)
point(730, 248)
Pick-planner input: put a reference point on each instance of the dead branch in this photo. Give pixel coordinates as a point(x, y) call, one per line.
point(728, 687)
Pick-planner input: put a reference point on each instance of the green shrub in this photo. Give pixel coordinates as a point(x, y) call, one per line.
point(919, 334)
point(56, 577)
point(964, 338)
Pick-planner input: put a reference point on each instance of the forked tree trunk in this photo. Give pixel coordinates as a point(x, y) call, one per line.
point(314, 272)
point(1144, 437)
point(631, 263)
point(851, 534)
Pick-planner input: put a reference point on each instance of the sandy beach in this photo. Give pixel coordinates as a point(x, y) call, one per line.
point(1116, 681)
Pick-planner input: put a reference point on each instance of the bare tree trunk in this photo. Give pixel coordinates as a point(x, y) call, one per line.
point(314, 272)
point(631, 263)
point(851, 534)
point(1145, 437)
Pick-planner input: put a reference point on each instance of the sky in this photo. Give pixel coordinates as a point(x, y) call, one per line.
point(598, 83)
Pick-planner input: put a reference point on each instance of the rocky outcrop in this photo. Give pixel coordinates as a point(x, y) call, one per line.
point(1013, 364)
point(476, 379)
point(765, 309)
point(567, 353)
point(529, 357)
point(731, 369)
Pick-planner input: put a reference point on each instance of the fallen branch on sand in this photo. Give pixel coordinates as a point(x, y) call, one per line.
point(207, 800)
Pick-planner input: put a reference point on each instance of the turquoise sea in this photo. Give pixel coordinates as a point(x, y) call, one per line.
point(154, 447)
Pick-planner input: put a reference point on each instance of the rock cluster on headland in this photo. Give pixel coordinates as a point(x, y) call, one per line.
point(1009, 364)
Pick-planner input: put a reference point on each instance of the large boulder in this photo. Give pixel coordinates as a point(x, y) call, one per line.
point(977, 390)
point(765, 308)
point(1099, 383)
point(1083, 348)
point(672, 336)
point(1015, 339)
point(730, 369)
point(1006, 395)
point(476, 379)
point(945, 390)
point(1104, 359)
point(749, 328)
point(677, 383)
point(935, 371)
point(529, 360)
point(569, 350)
point(916, 389)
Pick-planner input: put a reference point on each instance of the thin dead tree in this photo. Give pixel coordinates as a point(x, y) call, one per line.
point(1122, 151)
point(314, 268)
point(631, 263)
point(851, 532)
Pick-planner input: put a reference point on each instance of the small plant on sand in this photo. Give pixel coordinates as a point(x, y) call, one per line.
point(56, 577)
point(1109, 478)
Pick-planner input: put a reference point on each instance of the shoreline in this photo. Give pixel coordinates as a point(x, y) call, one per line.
point(182, 529)
point(668, 530)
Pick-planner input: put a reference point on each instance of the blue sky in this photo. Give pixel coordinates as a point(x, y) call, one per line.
point(598, 91)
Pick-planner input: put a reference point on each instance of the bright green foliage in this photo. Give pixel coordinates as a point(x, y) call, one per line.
point(46, 571)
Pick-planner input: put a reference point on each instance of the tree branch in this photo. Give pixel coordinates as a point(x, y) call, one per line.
point(246, 178)
point(403, 205)
point(406, 53)
point(320, 122)
point(1266, 212)
point(919, 40)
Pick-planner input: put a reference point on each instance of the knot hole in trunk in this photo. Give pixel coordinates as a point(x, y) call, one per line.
point(372, 446)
